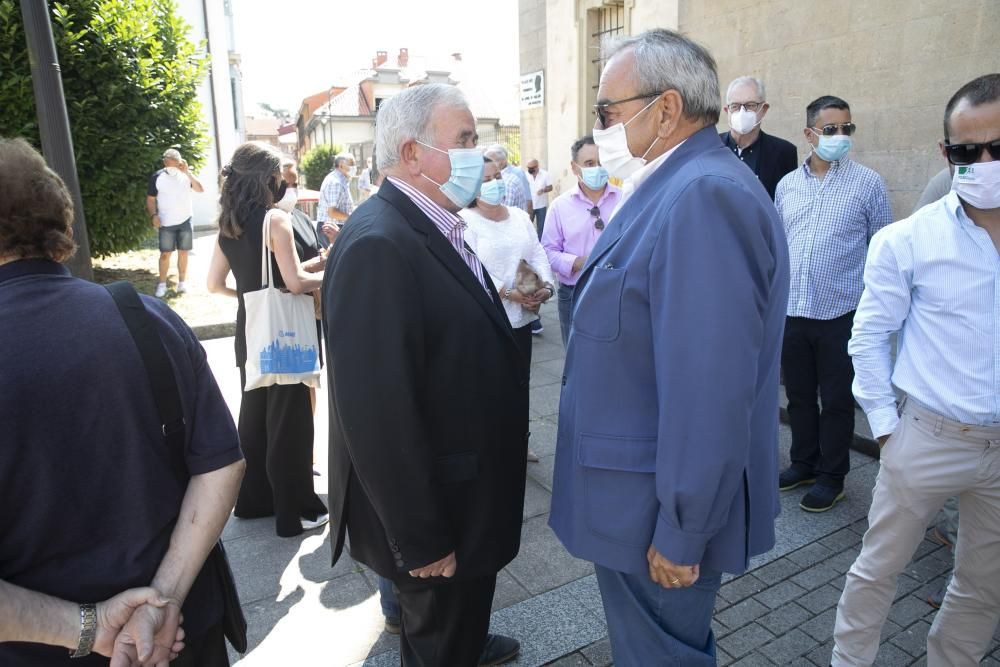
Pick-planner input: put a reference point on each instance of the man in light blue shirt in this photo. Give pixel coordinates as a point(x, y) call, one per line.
point(831, 207)
point(335, 201)
point(934, 279)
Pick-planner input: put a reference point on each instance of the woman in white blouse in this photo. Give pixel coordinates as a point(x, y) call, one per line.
point(503, 236)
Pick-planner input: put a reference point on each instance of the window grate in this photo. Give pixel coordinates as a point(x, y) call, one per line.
point(610, 24)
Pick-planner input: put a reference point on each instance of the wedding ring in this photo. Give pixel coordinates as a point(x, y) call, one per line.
point(674, 581)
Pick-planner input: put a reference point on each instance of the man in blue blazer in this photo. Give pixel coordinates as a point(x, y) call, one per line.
point(666, 459)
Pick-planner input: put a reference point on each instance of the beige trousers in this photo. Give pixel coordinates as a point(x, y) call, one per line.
point(927, 459)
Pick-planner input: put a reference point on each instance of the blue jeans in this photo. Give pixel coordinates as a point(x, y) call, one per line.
point(565, 303)
point(652, 625)
point(390, 605)
point(540, 220)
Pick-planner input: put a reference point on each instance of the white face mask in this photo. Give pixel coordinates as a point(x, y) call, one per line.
point(612, 147)
point(287, 203)
point(978, 184)
point(352, 172)
point(172, 171)
point(743, 121)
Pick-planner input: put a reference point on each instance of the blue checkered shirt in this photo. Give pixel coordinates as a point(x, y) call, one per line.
point(828, 223)
point(334, 192)
point(515, 195)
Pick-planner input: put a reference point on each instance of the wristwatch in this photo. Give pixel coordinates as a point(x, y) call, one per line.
point(88, 630)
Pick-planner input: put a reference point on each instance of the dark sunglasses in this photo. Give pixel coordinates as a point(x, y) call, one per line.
point(601, 109)
point(833, 128)
point(962, 154)
point(598, 223)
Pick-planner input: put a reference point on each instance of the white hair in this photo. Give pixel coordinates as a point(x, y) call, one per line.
point(666, 60)
point(747, 81)
point(407, 116)
point(341, 158)
point(498, 151)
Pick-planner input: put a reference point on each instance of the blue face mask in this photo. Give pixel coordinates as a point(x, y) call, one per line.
point(466, 174)
point(832, 148)
point(594, 178)
point(493, 191)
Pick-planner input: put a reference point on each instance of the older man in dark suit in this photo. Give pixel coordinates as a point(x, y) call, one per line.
point(428, 397)
point(767, 156)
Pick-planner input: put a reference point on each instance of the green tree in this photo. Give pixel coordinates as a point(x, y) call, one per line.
point(131, 75)
point(317, 163)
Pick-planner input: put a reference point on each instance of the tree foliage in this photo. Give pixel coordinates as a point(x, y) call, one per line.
point(317, 163)
point(130, 74)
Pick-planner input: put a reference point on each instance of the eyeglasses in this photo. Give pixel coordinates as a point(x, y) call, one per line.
point(752, 107)
point(834, 128)
point(598, 223)
point(963, 154)
point(601, 109)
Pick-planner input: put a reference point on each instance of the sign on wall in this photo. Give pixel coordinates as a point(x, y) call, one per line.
point(533, 90)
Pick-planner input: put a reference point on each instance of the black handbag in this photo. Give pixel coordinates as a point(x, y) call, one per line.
point(168, 404)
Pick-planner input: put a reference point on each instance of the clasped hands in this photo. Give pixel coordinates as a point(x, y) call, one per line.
point(139, 627)
point(531, 302)
point(669, 575)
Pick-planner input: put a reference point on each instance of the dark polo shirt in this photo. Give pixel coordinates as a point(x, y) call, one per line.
point(88, 499)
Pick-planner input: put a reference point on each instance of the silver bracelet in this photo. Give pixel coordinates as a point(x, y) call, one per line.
point(88, 630)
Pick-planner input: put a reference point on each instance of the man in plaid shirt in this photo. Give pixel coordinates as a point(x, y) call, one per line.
point(335, 202)
point(831, 207)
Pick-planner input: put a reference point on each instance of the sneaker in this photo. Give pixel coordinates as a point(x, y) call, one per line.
point(792, 477)
point(318, 522)
point(182, 287)
point(535, 332)
point(392, 625)
point(498, 650)
point(821, 498)
point(161, 290)
point(532, 457)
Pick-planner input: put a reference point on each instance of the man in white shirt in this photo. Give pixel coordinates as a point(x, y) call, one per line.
point(541, 186)
point(168, 202)
point(935, 279)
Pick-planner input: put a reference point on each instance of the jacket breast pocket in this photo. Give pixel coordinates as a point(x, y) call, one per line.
point(619, 487)
point(598, 313)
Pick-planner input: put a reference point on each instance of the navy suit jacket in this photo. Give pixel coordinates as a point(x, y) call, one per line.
point(668, 421)
point(776, 158)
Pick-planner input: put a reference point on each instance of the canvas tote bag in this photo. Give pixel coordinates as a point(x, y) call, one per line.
point(282, 345)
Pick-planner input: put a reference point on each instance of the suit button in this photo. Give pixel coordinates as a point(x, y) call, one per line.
point(395, 549)
point(399, 562)
point(564, 380)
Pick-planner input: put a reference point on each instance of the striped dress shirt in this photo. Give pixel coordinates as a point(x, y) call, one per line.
point(829, 223)
point(934, 278)
point(449, 224)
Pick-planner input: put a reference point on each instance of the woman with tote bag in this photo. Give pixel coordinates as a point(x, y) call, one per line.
point(277, 356)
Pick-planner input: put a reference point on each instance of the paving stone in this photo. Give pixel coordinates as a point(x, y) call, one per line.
point(543, 436)
point(719, 630)
point(890, 656)
point(810, 554)
point(778, 570)
point(839, 582)
point(599, 653)
point(722, 658)
point(741, 588)
point(571, 660)
point(815, 576)
point(537, 499)
point(779, 594)
point(889, 630)
point(844, 538)
point(913, 639)
point(820, 599)
point(508, 591)
point(720, 604)
point(843, 561)
point(544, 401)
point(907, 610)
point(926, 569)
point(820, 627)
point(905, 585)
point(745, 640)
point(784, 618)
point(788, 647)
point(543, 564)
point(926, 547)
point(821, 654)
point(860, 526)
point(753, 660)
point(741, 613)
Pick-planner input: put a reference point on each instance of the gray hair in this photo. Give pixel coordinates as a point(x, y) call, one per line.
point(498, 151)
point(666, 60)
point(341, 158)
point(747, 81)
point(407, 115)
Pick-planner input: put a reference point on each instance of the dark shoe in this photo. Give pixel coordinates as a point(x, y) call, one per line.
point(937, 599)
point(793, 477)
point(392, 625)
point(821, 498)
point(498, 650)
point(938, 537)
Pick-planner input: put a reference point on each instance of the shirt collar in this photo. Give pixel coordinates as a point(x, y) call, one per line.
point(835, 166)
point(34, 266)
point(953, 205)
point(644, 172)
point(610, 191)
point(442, 217)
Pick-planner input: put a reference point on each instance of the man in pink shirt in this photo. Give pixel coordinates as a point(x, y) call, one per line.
point(574, 222)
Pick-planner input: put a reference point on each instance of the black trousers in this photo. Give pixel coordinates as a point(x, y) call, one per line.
point(209, 650)
point(522, 336)
point(814, 356)
point(444, 622)
point(276, 433)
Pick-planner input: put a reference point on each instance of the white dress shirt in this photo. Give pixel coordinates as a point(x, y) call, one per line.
point(934, 278)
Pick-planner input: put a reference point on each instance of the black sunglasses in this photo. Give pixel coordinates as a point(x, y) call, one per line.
point(601, 108)
point(834, 128)
point(598, 223)
point(963, 154)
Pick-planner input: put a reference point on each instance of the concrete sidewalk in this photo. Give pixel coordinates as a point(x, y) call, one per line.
point(303, 612)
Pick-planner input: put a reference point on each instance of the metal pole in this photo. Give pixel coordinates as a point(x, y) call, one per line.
point(53, 121)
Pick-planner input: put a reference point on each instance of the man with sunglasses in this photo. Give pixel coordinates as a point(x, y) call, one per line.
point(767, 156)
point(831, 207)
point(933, 278)
point(575, 221)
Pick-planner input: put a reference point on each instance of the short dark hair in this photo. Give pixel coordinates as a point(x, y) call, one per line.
point(820, 103)
point(580, 143)
point(982, 90)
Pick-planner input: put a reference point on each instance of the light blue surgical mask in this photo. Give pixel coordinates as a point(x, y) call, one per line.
point(493, 191)
point(594, 178)
point(466, 174)
point(832, 148)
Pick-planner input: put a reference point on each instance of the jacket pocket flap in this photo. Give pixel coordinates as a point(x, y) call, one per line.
point(456, 467)
point(611, 452)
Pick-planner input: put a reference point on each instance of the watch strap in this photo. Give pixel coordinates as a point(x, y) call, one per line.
point(88, 630)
